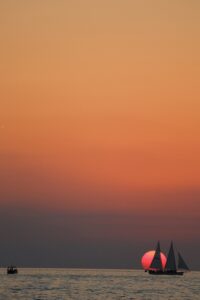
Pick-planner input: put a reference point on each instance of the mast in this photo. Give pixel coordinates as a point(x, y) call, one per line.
point(181, 263)
point(171, 261)
point(156, 262)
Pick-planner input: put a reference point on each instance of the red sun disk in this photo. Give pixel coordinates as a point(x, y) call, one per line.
point(148, 257)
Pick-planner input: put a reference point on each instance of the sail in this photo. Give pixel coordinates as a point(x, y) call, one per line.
point(156, 262)
point(181, 263)
point(171, 261)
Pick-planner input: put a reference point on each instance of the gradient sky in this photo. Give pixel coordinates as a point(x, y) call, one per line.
point(99, 130)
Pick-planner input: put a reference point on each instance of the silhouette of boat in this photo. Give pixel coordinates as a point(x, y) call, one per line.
point(12, 270)
point(170, 268)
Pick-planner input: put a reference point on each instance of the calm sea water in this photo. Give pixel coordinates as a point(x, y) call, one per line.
point(96, 284)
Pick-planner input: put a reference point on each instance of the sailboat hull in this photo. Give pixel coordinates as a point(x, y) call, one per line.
point(160, 272)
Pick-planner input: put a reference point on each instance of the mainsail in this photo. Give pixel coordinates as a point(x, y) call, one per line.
point(181, 263)
point(156, 262)
point(171, 261)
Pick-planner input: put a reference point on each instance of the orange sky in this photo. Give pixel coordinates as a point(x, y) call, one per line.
point(99, 103)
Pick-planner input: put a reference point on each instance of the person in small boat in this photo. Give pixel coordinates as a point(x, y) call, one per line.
point(12, 270)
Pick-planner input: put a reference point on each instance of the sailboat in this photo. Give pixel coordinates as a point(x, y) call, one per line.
point(170, 268)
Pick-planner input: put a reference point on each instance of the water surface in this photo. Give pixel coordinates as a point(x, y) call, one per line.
point(82, 284)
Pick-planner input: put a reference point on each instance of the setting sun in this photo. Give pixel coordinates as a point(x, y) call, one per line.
point(148, 257)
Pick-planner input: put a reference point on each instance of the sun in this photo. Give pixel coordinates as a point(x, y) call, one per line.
point(147, 259)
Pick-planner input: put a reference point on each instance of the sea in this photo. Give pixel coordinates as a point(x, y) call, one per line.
point(82, 284)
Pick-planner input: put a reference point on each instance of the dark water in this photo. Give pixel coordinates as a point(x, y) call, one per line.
point(96, 284)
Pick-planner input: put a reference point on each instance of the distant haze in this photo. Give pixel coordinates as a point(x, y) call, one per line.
point(99, 131)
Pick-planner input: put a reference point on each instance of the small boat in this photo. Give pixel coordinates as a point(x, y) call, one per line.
point(170, 268)
point(12, 270)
